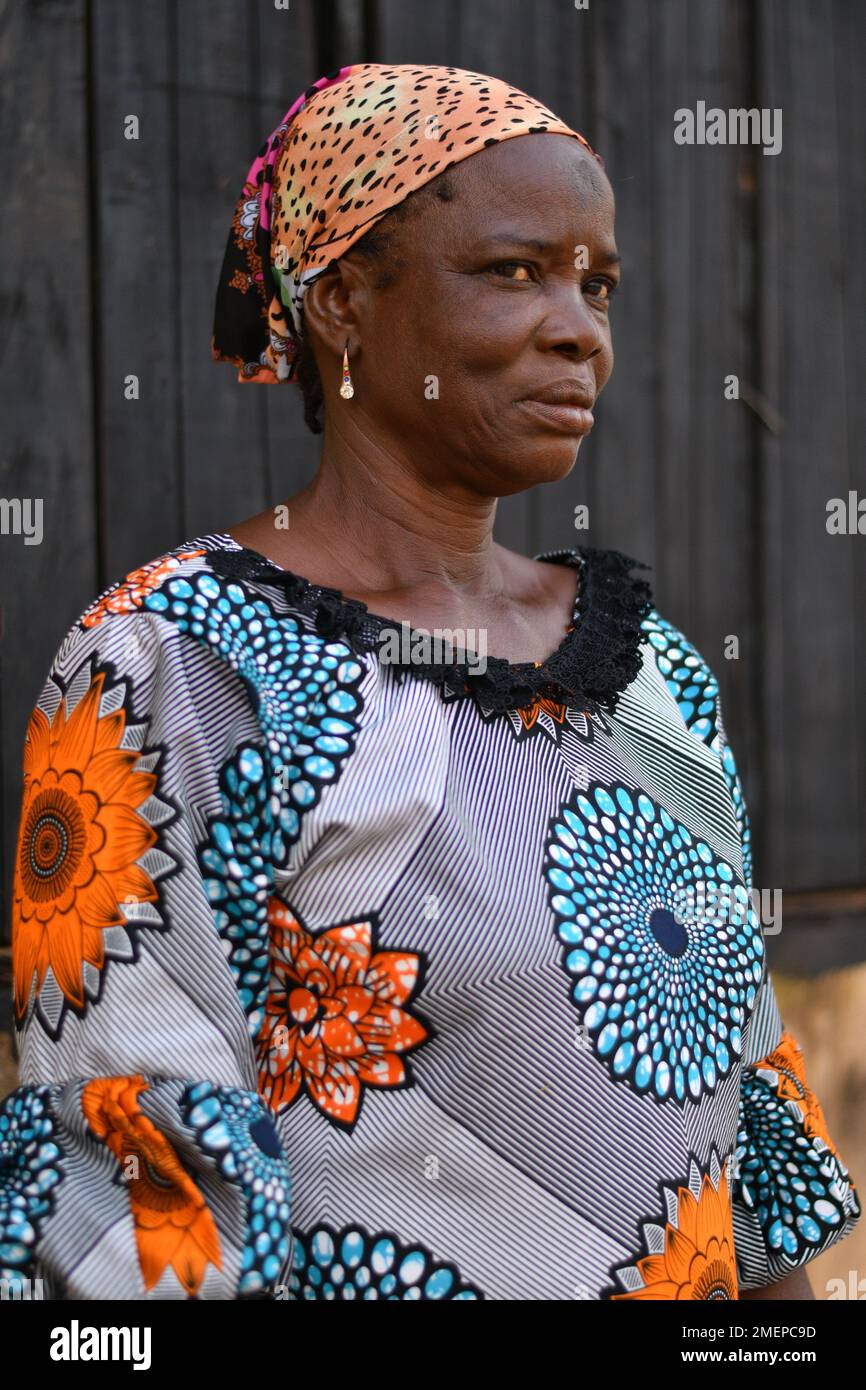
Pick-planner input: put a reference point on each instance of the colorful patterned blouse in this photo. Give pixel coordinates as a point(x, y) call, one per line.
point(340, 981)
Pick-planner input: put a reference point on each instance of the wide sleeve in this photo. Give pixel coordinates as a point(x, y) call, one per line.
point(791, 1192)
point(137, 1159)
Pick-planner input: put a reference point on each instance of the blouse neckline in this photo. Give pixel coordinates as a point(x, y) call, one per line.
point(597, 658)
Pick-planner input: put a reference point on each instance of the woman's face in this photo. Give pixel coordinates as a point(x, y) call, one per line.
point(502, 295)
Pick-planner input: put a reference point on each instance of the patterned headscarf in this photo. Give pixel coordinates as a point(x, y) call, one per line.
point(336, 163)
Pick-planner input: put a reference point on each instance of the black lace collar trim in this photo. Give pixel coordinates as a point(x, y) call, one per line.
point(597, 659)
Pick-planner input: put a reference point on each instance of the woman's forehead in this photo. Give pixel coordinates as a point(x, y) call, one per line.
point(526, 183)
point(529, 166)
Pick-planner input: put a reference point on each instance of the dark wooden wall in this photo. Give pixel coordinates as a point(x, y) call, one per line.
point(734, 262)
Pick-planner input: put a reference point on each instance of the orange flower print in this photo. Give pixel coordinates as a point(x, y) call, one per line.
point(529, 713)
point(173, 1225)
point(79, 838)
point(787, 1061)
point(697, 1258)
point(334, 1017)
point(131, 592)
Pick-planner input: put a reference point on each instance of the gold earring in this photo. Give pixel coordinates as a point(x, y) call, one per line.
point(347, 390)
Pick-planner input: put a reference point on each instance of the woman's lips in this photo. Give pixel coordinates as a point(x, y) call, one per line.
point(566, 419)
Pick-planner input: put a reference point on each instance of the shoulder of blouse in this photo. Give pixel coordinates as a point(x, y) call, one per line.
point(177, 614)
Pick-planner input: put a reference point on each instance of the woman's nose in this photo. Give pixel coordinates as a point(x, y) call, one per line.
point(570, 325)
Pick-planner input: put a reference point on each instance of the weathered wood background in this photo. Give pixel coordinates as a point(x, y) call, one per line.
point(734, 262)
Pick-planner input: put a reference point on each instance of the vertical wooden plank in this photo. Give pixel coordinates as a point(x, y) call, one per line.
point(501, 40)
point(633, 54)
point(343, 32)
point(815, 818)
point(47, 401)
point(166, 203)
point(420, 33)
point(732, 581)
point(714, 589)
point(137, 288)
point(224, 424)
point(288, 59)
point(849, 42)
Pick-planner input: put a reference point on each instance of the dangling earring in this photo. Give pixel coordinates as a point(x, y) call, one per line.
point(347, 390)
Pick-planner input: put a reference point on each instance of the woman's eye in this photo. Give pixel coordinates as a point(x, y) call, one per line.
point(505, 268)
point(519, 272)
point(601, 289)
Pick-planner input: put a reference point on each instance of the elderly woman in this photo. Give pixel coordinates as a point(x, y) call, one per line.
point(383, 920)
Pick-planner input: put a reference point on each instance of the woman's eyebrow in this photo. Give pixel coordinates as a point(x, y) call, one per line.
point(534, 244)
point(518, 239)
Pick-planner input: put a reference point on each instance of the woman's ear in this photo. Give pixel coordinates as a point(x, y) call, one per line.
point(333, 305)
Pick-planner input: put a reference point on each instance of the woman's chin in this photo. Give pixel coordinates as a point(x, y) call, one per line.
point(548, 461)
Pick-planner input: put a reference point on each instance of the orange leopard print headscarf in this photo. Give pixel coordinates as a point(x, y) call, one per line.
point(353, 146)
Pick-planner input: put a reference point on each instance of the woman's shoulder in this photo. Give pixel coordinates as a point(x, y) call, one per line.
point(683, 666)
point(129, 593)
point(194, 612)
point(190, 647)
point(690, 679)
point(125, 646)
point(203, 587)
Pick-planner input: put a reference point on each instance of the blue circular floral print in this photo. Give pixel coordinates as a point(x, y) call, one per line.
point(797, 1187)
point(351, 1264)
point(304, 686)
point(729, 768)
point(29, 1172)
point(236, 1129)
point(687, 676)
point(696, 691)
point(237, 875)
point(661, 941)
